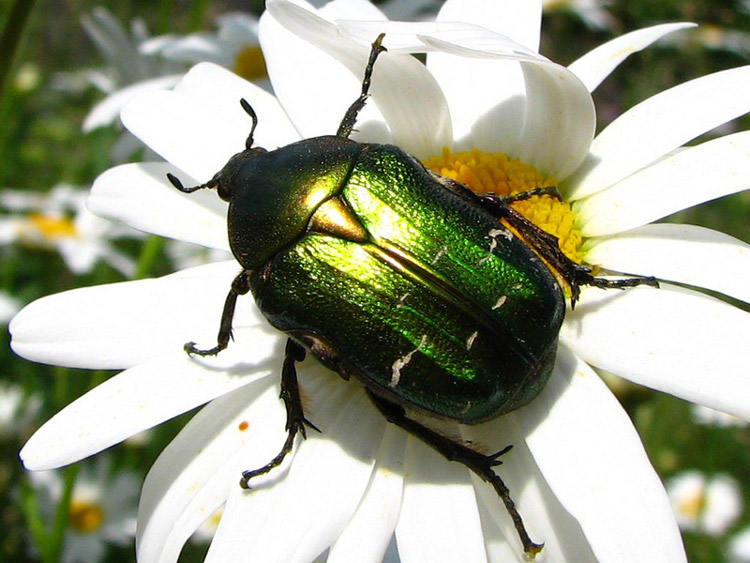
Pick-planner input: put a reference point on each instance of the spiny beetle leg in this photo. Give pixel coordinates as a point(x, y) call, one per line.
point(547, 246)
point(350, 117)
point(240, 286)
point(477, 462)
point(295, 416)
point(528, 194)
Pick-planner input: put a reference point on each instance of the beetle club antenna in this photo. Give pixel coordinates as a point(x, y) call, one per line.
point(175, 181)
point(251, 112)
point(350, 117)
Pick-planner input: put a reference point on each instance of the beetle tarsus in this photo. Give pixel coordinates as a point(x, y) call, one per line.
point(295, 416)
point(481, 464)
point(191, 349)
point(350, 117)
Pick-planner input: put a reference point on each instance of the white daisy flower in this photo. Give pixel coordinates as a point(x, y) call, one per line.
point(739, 547)
point(711, 417)
point(61, 221)
point(577, 472)
point(707, 505)
point(102, 509)
point(234, 45)
point(9, 306)
point(593, 13)
point(128, 70)
point(18, 409)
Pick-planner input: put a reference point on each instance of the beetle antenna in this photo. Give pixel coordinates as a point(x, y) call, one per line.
point(175, 181)
point(251, 112)
point(350, 117)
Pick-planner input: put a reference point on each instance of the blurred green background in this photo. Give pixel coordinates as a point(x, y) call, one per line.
point(42, 145)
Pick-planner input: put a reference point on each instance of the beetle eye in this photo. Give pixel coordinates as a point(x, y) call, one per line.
point(224, 189)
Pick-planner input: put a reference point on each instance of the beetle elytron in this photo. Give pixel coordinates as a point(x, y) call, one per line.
point(436, 299)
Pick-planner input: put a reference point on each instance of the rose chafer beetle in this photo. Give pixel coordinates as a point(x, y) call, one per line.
point(436, 299)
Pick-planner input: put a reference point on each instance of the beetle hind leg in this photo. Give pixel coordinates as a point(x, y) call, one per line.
point(481, 464)
point(546, 245)
point(295, 416)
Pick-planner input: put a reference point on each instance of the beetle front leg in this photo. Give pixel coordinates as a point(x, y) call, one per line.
point(477, 462)
point(350, 118)
point(295, 416)
point(240, 286)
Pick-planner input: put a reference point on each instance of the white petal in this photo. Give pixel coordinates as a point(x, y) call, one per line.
point(521, 20)
point(560, 120)
point(138, 194)
point(409, 98)
point(217, 87)
point(119, 325)
point(473, 66)
point(194, 475)
point(195, 132)
point(597, 64)
point(107, 111)
point(594, 461)
point(545, 519)
point(678, 341)
point(300, 514)
point(368, 533)
point(682, 253)
point(557, 119)
point(659, 125)
point(143, 397)
point(486, 97)
point(697, 174)
point(187, 132)
point(314, 89)
point(439, 518)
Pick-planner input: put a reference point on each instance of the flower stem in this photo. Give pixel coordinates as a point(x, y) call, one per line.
point(149, 253)
point(11, 37)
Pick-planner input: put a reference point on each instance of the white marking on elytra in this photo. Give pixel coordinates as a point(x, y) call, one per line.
point(493, 234)
point(505, 233)
point(439, 255)
point(401, 363)
point(500, 302)
point(402, 301)
point(471, 339)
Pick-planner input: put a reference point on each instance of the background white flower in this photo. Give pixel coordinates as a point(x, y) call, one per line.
point(702, 504)
point(102, 509)
point(60, 220)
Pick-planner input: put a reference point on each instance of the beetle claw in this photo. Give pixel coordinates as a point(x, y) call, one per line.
point(190, 348)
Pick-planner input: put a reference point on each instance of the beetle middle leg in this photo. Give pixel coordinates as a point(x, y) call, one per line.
point(477, 462)
point(295, 416)
point(240, 286)
point(547, 246)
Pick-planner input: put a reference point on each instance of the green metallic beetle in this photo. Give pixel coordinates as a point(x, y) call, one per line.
point(436, 299)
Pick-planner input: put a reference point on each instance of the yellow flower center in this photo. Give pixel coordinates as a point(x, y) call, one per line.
point(52, 228)
point(692, 505)
point(501, 175)
point(85, 517)
point(250, 64)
